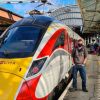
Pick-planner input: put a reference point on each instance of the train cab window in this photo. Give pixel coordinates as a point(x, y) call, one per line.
point(60, 40)
point(21, 41)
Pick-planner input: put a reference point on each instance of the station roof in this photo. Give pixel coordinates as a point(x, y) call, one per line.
point(7, 18)
point(69, 15)
point(90, 10)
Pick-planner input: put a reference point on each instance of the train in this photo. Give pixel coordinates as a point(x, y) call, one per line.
point(35, 55)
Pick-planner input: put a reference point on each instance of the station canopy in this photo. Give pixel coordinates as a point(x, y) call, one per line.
point(7, 18)
point(90, 10)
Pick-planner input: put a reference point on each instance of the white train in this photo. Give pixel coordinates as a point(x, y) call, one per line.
point(35, 55)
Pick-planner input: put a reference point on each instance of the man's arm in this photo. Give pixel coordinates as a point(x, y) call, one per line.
point(85, 56)
point(72, 55)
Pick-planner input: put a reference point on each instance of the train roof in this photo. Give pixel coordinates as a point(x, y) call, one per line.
point(39, 20)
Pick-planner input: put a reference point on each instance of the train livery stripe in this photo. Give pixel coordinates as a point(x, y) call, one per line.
point(53, 74)
point(48, 48)
point(27, 91)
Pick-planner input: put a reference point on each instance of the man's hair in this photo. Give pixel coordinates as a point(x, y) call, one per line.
point(80, 40)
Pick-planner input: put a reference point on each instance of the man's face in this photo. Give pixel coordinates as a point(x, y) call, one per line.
point(80, 43)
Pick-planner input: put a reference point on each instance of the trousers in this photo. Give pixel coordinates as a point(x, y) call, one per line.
point(82, 71)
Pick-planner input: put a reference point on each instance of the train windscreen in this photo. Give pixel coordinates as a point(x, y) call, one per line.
point(20, 41)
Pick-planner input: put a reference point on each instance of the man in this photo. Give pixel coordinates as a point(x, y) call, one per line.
point(79, 55)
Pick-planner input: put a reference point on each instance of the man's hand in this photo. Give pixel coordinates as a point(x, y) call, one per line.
point(73, 64)
point(85, 61)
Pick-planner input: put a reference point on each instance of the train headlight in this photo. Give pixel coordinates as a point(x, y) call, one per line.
point(36, 67)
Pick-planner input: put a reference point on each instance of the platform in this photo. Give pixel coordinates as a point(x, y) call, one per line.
point(93, 82)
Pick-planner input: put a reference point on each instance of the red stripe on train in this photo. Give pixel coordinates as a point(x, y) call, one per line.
point(48, 48)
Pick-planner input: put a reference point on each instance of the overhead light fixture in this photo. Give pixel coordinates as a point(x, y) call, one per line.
point(8, 2)
point(20, 2)
point(32, 2)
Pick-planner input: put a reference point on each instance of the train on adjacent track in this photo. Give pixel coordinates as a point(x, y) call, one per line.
point(35, 55)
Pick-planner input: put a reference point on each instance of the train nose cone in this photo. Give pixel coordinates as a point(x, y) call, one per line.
point(9, 84)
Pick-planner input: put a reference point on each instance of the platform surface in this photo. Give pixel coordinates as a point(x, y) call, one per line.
point(93, 82)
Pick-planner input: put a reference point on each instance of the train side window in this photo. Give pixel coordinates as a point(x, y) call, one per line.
point(60, 40)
